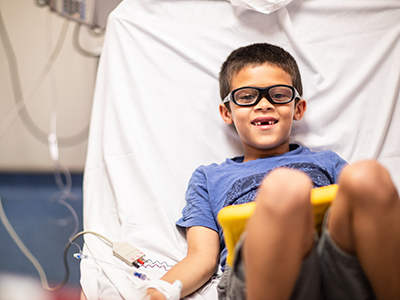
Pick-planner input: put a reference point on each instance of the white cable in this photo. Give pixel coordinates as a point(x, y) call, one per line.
point(94, 233)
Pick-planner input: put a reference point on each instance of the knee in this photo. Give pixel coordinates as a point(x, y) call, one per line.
point(285, 193)
point(367, 182)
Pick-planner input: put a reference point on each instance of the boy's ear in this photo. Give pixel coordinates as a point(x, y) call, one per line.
point(300, 109)
point(225, 114)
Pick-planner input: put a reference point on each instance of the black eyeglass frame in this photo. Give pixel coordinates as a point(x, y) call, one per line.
point(261, 92)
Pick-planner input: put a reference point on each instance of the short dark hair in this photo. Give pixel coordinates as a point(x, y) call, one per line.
point(256, 55)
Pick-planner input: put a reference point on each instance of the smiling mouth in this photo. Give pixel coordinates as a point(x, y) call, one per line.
point(265, 123)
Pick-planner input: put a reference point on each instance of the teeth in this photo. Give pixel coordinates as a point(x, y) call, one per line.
point(268, 123)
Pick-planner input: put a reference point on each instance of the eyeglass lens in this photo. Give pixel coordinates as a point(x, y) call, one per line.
point(278, 94)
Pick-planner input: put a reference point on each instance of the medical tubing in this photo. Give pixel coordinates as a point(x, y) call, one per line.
point(23, 248)
point(74, 215)
point(33, 260)
point(64, 281)
point(36, 264)
point(66, 192)
point(64, 188)
point(21, 99)
point(52, 137)
point(142, 276)
point(12, 60)
point(68, 180)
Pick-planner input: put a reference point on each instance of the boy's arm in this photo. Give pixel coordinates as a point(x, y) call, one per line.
point(199, 264)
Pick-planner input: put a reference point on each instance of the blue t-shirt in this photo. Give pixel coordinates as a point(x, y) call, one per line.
point(235, 182)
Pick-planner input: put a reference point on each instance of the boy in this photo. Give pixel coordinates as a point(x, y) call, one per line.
point(278, 257)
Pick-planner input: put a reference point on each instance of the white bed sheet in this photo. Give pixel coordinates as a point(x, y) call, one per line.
point(155, 112)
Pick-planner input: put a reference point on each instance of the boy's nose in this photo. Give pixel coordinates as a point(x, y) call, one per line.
point(264, 104)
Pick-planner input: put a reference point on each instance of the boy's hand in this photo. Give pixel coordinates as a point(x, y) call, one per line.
point(162, 290)
point(153, 294)
point(193, 271)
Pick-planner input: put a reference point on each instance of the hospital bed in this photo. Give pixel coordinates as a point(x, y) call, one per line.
point(155, 113)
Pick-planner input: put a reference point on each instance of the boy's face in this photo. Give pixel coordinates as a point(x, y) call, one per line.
point(258, 136)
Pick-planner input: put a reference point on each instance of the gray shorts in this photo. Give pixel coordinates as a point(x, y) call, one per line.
point(326, 273)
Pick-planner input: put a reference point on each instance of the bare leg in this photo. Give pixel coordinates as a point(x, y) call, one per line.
point(365, 221)
point(279, 235)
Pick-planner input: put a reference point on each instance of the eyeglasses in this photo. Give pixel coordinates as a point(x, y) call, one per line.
point(276, 94)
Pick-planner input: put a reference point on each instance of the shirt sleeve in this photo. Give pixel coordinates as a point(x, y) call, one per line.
point(198, 209)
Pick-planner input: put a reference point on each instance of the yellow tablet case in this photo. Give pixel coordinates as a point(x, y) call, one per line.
point(233, 218)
